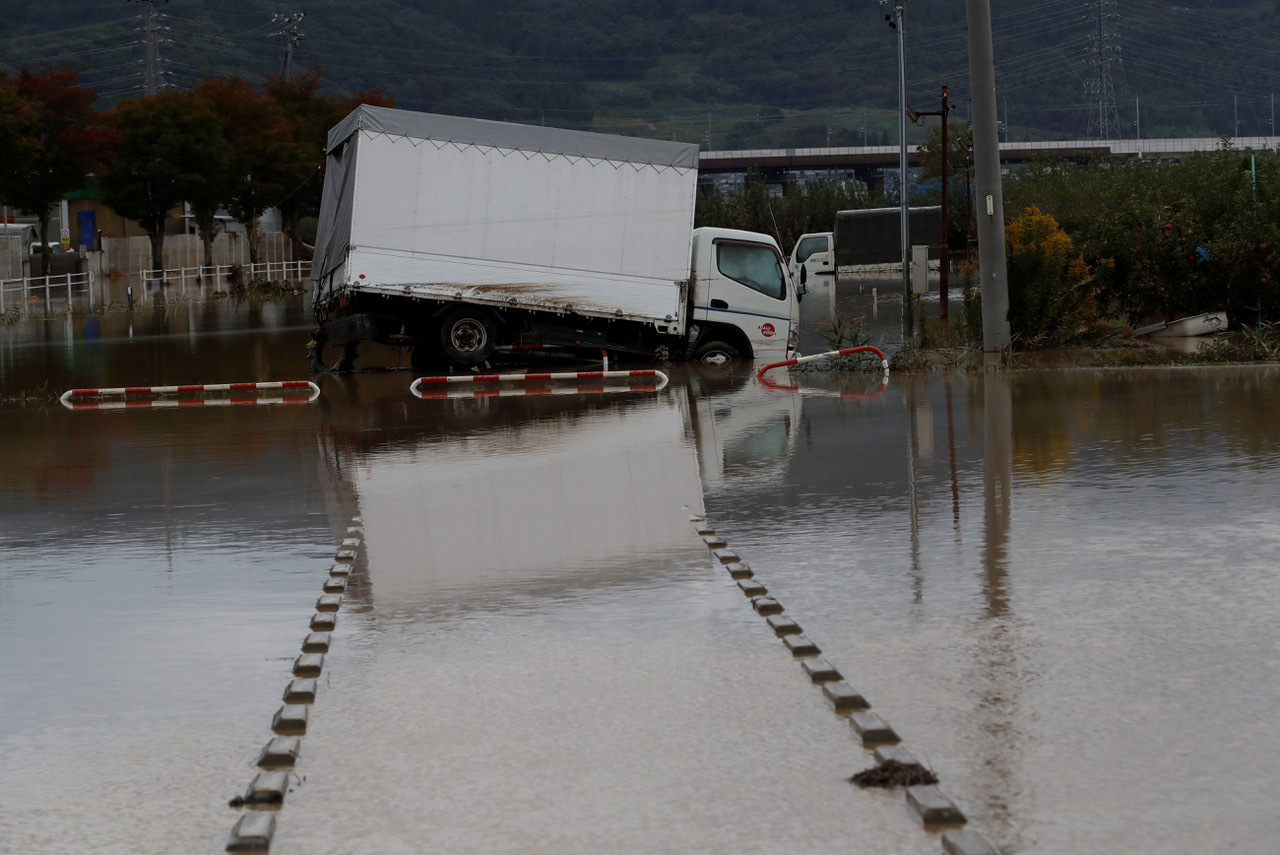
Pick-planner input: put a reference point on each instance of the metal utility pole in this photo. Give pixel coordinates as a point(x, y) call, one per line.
point(944, 251)
point(148, 17)
point(291, 38)
point(993, 271)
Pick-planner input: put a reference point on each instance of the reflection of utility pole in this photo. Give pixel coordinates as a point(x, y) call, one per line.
point(912, 401)
point(997, 454)
point(291, 38)
point(148, 17)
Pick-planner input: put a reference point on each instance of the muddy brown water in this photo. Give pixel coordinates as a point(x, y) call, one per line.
point(1059, 587)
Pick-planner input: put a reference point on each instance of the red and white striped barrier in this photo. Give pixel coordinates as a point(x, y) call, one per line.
point(125, 391)
point(439, 381)
point(182, 402)
point(862, 396)
point(799, 360)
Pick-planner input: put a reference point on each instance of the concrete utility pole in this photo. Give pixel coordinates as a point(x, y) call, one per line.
point(291, 38)
point(993, 271)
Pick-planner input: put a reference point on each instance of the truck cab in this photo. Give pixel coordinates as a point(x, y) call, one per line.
point(743, 303)
point(815, 255)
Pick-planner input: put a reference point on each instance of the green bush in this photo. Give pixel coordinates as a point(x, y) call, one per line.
point(808, 208)
point(1170, 239)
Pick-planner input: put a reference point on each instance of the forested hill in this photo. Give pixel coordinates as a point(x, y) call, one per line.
point(725, 73)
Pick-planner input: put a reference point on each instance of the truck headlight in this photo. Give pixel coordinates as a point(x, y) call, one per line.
point(793, 339)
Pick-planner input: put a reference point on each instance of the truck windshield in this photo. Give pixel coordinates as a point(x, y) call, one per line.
point(809, 246)
point(755, 266)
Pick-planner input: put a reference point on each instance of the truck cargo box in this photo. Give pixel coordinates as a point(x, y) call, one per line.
point(514, 216)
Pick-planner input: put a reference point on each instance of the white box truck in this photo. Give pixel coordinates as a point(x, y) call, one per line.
point(467, 239)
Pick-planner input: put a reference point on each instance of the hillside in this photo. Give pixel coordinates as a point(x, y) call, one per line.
point(725, 74)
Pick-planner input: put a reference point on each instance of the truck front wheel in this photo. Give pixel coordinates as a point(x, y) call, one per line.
point(468, 336)
point(716, 353)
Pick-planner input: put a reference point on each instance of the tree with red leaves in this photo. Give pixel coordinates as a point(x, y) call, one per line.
point(53, 140)
point(170, 150)
point(310, 116)
point(259, 138)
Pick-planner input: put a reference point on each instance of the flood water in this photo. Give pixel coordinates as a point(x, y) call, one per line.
point(1057, 586)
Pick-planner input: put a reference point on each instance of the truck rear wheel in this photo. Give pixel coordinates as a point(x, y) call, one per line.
point(468, 336)
point(716, 353)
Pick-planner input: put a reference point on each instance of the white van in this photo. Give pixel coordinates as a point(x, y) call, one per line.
point(30, 234)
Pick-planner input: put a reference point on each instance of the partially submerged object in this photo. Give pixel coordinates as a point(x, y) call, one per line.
point(466, 238)
point(1193, 325)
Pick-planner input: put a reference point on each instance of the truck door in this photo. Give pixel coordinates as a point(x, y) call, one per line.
point(814, 252)
point(750, 289)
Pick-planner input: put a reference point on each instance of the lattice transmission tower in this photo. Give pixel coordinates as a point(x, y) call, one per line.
point(1104, 54)
point(154, 75)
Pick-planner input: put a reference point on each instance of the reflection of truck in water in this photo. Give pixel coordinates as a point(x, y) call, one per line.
point(463, 238)
point(864, 238)
point(553, 490)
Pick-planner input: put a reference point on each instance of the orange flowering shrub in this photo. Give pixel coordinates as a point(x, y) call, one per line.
point(1049, 282)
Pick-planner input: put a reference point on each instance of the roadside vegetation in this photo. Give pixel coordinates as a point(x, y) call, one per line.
point(1094, 250)
point(224, 144)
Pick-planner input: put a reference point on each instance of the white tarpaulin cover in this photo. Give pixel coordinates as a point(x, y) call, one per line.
point(504, 214)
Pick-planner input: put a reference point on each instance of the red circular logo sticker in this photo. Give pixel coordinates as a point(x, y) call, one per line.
point(767, 329)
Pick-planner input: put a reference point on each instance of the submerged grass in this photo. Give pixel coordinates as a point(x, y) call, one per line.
point(39, 395)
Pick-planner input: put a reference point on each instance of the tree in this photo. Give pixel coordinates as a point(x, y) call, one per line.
point(959, 145)
point(259, 140)
point(53, 139)
point(210, 193)
point(167, 145)
point(310, 116)
point(959, 177)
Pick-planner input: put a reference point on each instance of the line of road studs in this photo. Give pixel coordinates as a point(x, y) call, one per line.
point(927, 802)
point(265, 794)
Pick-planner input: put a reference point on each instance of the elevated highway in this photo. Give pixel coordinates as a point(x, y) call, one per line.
point(869, 163)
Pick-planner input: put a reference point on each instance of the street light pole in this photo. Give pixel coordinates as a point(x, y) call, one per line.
point(896, 22)
point(944, 251)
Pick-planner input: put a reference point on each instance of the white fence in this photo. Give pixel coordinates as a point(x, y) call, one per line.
point(147, 287)
point(225, 274)
point(19, 294)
